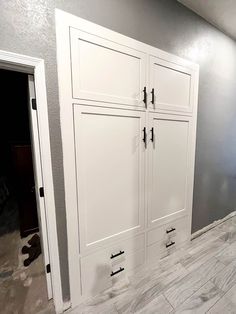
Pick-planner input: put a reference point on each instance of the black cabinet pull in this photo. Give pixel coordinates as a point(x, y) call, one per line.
point(117, 272)
point(170, 230)
point(145, 95)
point(152, 134)
point(145, 136)
point(170, 244)
point(153, 96)
point(118, 254)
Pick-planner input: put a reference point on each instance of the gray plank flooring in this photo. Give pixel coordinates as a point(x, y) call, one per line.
point(199, 278)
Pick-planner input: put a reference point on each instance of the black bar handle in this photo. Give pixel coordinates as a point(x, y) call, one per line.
point(170, 244)
point(152, 134)
point(117, 272)
point(145, 136)
point(145, 95)
point(118, 254)
point(170, 230)
point(153, 96)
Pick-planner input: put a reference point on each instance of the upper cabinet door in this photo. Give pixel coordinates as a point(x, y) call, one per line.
point(171, 86)
point(106, 71)
point(168, 167)
point(110, 173)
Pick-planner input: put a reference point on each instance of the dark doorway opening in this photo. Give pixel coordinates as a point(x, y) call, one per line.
point(22, 269)
point(17, 195)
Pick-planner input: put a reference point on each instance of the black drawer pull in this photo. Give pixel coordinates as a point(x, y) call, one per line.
point(145, 137)
point(153, 96)
point(152, 135)
point(170, 244)
point(118, 254)
point(145, 96)
point(170, 230)
point(117, 272)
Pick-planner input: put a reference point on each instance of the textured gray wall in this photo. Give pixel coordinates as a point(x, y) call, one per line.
point(28, 27)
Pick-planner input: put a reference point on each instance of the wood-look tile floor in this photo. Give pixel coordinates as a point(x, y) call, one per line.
point(199, 278)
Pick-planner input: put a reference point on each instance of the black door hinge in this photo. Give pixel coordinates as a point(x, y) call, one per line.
point(41, 192)
point(34, 104)
point(48, 268)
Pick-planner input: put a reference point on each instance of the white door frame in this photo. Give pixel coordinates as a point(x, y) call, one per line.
point(31, 65)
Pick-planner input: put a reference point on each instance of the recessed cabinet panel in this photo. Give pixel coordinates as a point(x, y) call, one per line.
point(110, 166)
point(105, 71)
point(168, 168)
point(172, 86)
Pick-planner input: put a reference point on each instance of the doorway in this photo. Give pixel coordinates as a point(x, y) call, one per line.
point(25, 285)
point(42, 160)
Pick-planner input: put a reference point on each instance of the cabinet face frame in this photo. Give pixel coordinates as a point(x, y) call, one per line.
point(64, 22)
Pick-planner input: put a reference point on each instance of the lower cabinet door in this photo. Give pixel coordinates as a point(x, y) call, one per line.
point(168, 167)
point(110, 174)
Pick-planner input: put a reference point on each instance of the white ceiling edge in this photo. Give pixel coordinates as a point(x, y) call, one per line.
point(220, 13)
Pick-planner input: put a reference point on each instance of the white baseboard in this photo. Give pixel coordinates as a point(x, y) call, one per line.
point(212, 225)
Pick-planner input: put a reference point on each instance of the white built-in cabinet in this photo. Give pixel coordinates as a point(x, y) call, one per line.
point(128, 116)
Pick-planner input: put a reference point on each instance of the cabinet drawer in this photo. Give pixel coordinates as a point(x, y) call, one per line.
point(128, 246)
point(169, 241)
point(178, 229)
point(97, 268)
point(130, 262)
point(158, 250)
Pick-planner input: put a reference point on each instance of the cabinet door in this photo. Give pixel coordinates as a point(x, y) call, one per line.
point(105, 71)
point(172, 86)
point(110, 173)
point(168, 167)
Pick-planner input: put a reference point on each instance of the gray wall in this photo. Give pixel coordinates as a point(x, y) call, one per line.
point(28, 27)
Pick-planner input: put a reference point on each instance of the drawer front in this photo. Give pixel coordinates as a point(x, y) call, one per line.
point(162, 249)
point(168, 241)
point(158, 251)
point(95, 273)
point(130, 262)
point(176, 229)
point(99, 271)
point(128, 246)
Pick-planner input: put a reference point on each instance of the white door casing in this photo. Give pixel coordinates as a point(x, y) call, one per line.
point(39, 181)
point(35, 66)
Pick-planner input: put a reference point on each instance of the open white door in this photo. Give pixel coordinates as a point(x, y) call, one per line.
point(36, 154)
